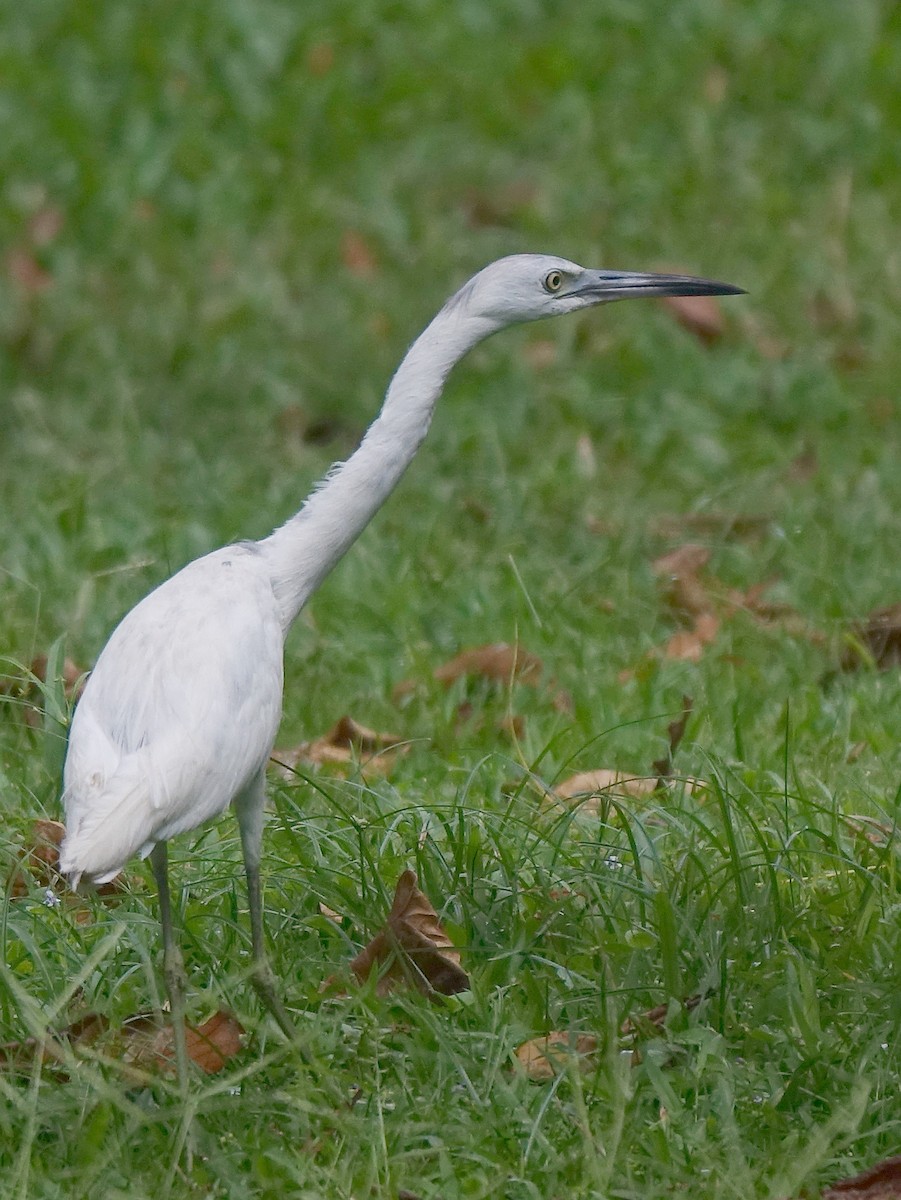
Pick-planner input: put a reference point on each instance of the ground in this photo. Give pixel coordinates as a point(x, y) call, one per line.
point(220, 230)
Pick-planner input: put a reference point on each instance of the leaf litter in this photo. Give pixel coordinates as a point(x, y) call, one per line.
point(875, 641)
point(141, 1047)
point(413, 948)
point(37, 866)
point(882, 1182)
point(346, 743)
point(589, 789)
point(543, 1058)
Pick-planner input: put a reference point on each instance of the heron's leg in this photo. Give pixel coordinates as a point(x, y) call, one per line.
point(249, 809)
point(173, 963)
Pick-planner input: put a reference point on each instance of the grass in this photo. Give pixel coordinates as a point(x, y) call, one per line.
point(203, 302)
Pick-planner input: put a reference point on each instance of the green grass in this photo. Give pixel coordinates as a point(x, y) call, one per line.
point(207, 165)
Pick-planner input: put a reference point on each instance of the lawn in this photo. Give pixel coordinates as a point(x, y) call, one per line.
point(221, 227)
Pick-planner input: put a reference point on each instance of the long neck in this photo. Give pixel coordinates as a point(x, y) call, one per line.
point(303, 550)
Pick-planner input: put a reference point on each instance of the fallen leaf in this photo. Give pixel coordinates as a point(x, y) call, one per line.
point(511, 724)
point(589, 788)
point(72, 675)
point(413, 948)
point(684, 560)
point(40, 858)
point(543, 1058)
point(768, 344)
point(540, 353)
point(586, 459)
point(719, 525)
point(346, 742)
point(804, 466)
point(214, 1042)
point(675, 731)
point(38, 861)
point(882, 1182)
point(716, 84)
point(877, 833)
point(653, 1020)
point(26, 687)
point(320, 59)
point(45, 225)
point(502, 206)
point(357, 255)
point(688, 645)
point(833, 311)
point(25, 270)
point(141, 1045)
point(500, 662)
point(684, 592)
point(876, 640)
point(592, 783)
point(700, 315)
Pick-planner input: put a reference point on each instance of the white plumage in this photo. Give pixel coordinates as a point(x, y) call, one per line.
point(179, 716)
point(181, 711)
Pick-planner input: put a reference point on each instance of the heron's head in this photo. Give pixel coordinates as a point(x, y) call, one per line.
point(527, 287)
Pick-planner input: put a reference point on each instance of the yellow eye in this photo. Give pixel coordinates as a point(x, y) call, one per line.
point(553, 281)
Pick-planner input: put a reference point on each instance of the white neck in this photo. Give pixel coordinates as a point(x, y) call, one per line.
point(303, 550)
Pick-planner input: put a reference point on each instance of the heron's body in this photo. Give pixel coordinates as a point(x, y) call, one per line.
point(181, 711)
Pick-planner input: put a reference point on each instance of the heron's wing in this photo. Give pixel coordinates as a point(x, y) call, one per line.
point(178, 716)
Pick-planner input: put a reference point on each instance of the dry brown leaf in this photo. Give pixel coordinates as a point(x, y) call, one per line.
point(543, 1058)
point(675, 732)
point(72, 675)
point(589, 788)
point(38, 861)
point(320, 59)
point(414, 946)
point(700, 315)
point(45, 225)
point(214, 1042)
point(684, 560)
point(687, 645)
point(877, 833)
point(26, 686)
point(685, 593)
point(501, 206)
point(653, 1019)
point(346, 742)
point(357, 255)
point(500, 662)
point(19, 1056)
point(39, 858)
point(877, 639)
point(143, 1044)
point(140, 1045)
point(25, 270)
point(768, 344)
point(540, 353)
point(804, 466)
point(586, 459)
point(719, 525)
point(716, 84)
point(587, 784)
point(882, 1182)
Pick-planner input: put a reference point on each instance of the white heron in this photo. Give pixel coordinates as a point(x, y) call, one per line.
point(180, 713)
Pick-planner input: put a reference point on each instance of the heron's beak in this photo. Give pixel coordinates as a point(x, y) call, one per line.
point(620, 285)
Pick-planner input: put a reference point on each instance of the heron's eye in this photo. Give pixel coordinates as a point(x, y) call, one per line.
point(553, 281)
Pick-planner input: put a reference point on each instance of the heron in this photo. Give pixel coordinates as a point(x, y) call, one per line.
point(180, 713)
